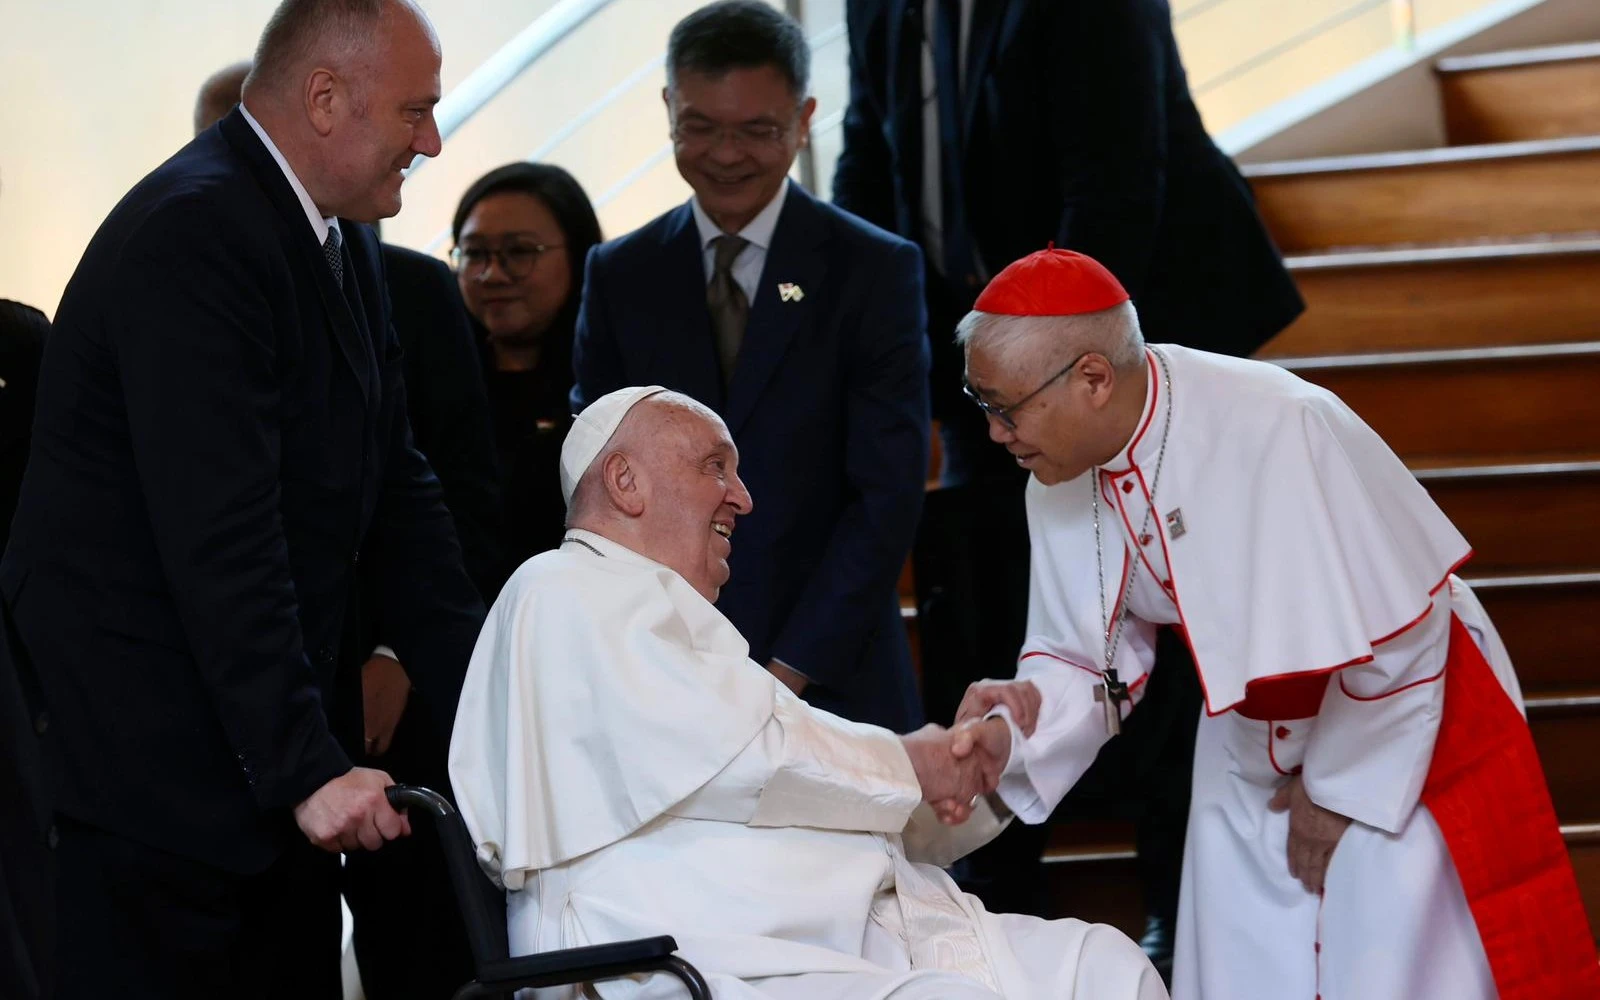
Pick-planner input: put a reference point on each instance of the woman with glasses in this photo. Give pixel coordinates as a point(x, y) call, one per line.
point(521, 233)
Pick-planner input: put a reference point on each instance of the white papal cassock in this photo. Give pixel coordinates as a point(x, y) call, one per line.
point(1311, 576)
point(626, 770)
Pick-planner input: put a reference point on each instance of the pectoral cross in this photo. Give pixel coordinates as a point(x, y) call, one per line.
point(1111, 693)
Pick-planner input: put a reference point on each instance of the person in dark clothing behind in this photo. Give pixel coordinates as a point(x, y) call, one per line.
point(25, 870)
point(982, 131)
point(522, 232)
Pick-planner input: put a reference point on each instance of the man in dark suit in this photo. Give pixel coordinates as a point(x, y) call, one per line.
point(803, 327)
point(983, 130)
point(220, 443)
point(409, 939)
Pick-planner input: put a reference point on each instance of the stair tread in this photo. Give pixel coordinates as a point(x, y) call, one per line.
point(1437, 355)
point(1512, 58)
point(1412, 158)
point(1481, 248)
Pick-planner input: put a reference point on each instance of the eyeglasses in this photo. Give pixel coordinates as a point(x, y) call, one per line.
point(1003, 413)
point(698, 133)
point(517, 260)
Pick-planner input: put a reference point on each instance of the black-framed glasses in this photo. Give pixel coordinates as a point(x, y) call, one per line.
point(1003, 413)
point(516, 260)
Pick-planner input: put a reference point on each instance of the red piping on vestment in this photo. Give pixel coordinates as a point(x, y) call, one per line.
point(1321, 670)
point(1058, 659)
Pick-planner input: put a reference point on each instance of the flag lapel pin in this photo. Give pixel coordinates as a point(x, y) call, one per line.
point(788, 291)
point(1175, 526)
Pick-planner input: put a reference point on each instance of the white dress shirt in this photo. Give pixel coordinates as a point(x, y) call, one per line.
point(748, 265)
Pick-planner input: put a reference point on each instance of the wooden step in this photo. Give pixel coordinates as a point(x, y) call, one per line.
point(1104, 886)
point(1550, 625)
point(1432, 195)
point(1541, 93)
point(1566, 729)
point(1461, 407)
point(1524, 518)
point(1530, 291)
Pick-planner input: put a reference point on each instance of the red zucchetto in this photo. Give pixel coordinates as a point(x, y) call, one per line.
point(1052, 283)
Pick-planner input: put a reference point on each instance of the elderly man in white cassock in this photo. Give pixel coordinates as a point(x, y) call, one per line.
point(626, 770)
point(1369, 819)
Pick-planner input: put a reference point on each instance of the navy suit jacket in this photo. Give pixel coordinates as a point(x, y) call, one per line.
point(829, 408)
point(220, 439)
point(1078, 128)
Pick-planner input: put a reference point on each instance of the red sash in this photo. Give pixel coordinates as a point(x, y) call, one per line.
point(1487, 792)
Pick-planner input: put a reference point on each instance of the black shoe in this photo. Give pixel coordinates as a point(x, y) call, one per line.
point(1157, 945)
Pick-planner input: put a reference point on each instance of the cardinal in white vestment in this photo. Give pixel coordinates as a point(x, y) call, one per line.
point(626, 770)
point(1369, 818)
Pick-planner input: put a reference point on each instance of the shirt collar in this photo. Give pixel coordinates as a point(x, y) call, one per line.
point(759, 230)
point(319, 223)
point(1144, 442)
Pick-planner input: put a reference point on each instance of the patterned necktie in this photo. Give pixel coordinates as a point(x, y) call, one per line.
point(729, 308)
point(335, 259)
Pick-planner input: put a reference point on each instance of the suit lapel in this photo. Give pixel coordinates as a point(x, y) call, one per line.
point(795, 258)
point(303, 244)
point(683, 344)
point(987, 16)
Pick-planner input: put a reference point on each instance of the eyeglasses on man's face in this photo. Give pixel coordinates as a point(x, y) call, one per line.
point(1006, 414)
point(700, 133)
point(516, 260)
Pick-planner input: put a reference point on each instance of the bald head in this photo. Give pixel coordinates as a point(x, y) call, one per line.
point(219, 94)
point(666, 485)
point(346, 91)
point(302, 35)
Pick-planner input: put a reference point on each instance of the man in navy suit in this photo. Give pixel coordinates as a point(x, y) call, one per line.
point(220, 449)
point(803, 327)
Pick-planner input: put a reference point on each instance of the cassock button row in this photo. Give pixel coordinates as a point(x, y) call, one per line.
point(1282, 733)
point(1144, 539)
point(1127, 486)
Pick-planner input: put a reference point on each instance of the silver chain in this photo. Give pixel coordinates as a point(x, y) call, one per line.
point(1114, 638)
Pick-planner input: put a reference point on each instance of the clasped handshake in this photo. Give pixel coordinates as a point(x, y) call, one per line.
point(958, 765)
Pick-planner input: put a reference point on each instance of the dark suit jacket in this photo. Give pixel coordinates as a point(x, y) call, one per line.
point(23, 330)
point(220, 440)
point(25, 874)
point(1078, 128)
point(829, 408)
point(448, 406)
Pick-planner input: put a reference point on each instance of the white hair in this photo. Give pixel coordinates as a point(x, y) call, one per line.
point(1112, 332)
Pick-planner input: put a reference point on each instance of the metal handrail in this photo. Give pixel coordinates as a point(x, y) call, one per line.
point(496, 73)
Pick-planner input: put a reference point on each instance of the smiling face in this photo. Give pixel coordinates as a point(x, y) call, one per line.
point(381, 119)
point(735, 137)
point(511, 286)
point(693, 494)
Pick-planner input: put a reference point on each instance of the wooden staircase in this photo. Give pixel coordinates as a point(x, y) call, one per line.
point(1453, 301)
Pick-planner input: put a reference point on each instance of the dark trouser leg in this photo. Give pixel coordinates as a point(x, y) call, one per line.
point(409, 939)
point(136, 922)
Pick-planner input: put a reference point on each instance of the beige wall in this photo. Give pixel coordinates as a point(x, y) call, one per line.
point(100, 91)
